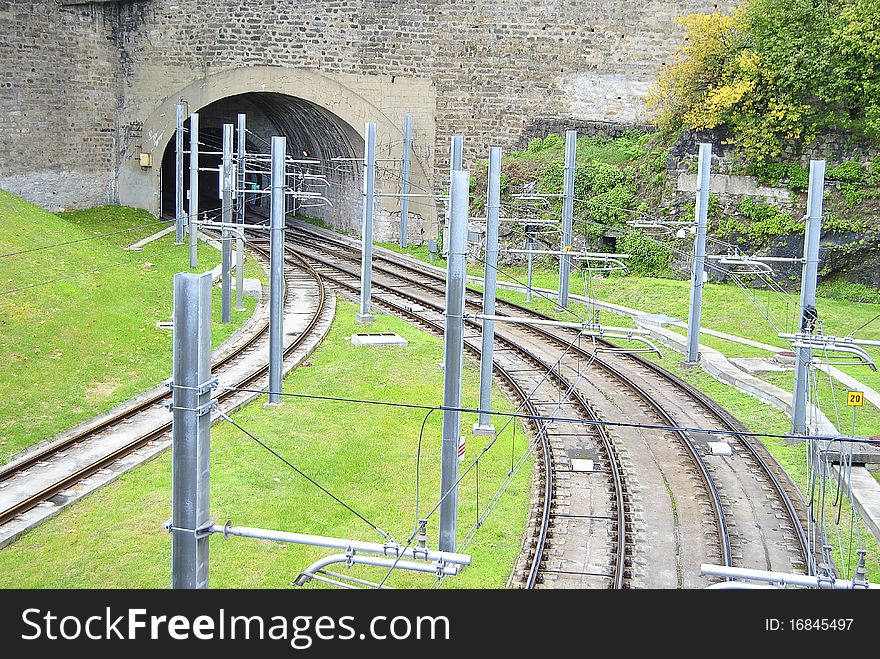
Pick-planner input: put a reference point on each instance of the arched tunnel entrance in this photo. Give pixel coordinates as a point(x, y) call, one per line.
point(312, 132)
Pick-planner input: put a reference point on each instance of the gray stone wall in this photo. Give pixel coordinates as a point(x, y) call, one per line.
point(58, 103)
point(499, 70)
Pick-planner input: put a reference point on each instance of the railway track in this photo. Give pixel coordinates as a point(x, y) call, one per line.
point(58, 455)
point(746, 496)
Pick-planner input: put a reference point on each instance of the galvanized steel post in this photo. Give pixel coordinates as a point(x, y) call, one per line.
point(530, 245)
point(698, 268)
point(567, 215)
point(404, 175)
point(456, 156)
point(484, 425)
point(809, 279)
point(453, 355)
point(225, 235)
point(191, 431)
point(241, 198)
point(193, 188)
point(369, 203)
point(276, 267)
point(180, 224)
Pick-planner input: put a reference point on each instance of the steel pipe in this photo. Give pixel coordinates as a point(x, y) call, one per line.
point(392, 549)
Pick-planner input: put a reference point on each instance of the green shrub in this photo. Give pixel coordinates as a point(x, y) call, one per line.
point(833, 224)
point(846, 172)
point(775, 72)
point(767, 221)
point(647, 258)
point(774, 173)
point(538, 144)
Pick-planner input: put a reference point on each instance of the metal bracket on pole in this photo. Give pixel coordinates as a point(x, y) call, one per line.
point(698, 269)
point(225, 238)
point(191, 430)
point(276, 267)
point(484, 424)
point(779, 579)
point(369, 205)
point(453, 354)
point(567, 215)
point(809, 279)
point(832, 344)
point(241, 131)
point(404, 186)
point(193, 188)
point(391, 554)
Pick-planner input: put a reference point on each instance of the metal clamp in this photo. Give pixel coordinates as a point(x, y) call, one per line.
point(202, 531)
point(208, 407)
point(210, 385)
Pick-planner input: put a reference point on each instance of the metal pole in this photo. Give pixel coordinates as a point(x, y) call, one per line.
point(178, 178)
point(241, 197)
point(369, 203)
point(808, 296)
point(484, 425)
point(404, 173)
point(567, 214)
point(530, 245)
point(456, 149)
point(698, 268)
point(191, 431)
point(276, 267)
point(193, 188)
point(453, 353)
point(225, 237)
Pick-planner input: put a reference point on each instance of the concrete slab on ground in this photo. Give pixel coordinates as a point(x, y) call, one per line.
point(378, 339)
point(755, 365)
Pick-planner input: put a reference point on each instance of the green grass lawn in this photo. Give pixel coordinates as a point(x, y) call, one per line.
point(80, 345)
point(364, 454)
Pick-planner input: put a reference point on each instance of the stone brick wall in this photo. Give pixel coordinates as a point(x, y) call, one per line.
point(58, 102)
point(499, 71)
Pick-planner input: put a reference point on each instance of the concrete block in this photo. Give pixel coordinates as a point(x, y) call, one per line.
point(578, 464)
point(378, 339)
point(753, 365)
point(720, 448)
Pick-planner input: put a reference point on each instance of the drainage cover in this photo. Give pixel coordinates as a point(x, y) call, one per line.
point(378, 339)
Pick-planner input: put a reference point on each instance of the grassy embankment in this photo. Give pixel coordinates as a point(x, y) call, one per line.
point(80, 345)
point(364, 454)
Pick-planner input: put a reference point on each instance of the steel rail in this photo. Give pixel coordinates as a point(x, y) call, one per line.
point(767, 464)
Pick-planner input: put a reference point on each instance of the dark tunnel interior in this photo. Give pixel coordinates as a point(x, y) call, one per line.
point(311, 132)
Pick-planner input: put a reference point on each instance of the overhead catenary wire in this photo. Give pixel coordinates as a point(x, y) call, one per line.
point(130, 261)
point(80, 240)
point(561, 419)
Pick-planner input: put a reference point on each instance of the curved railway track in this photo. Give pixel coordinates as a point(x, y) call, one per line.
point(614, 508)
point(624, 371)
point(129, 414)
